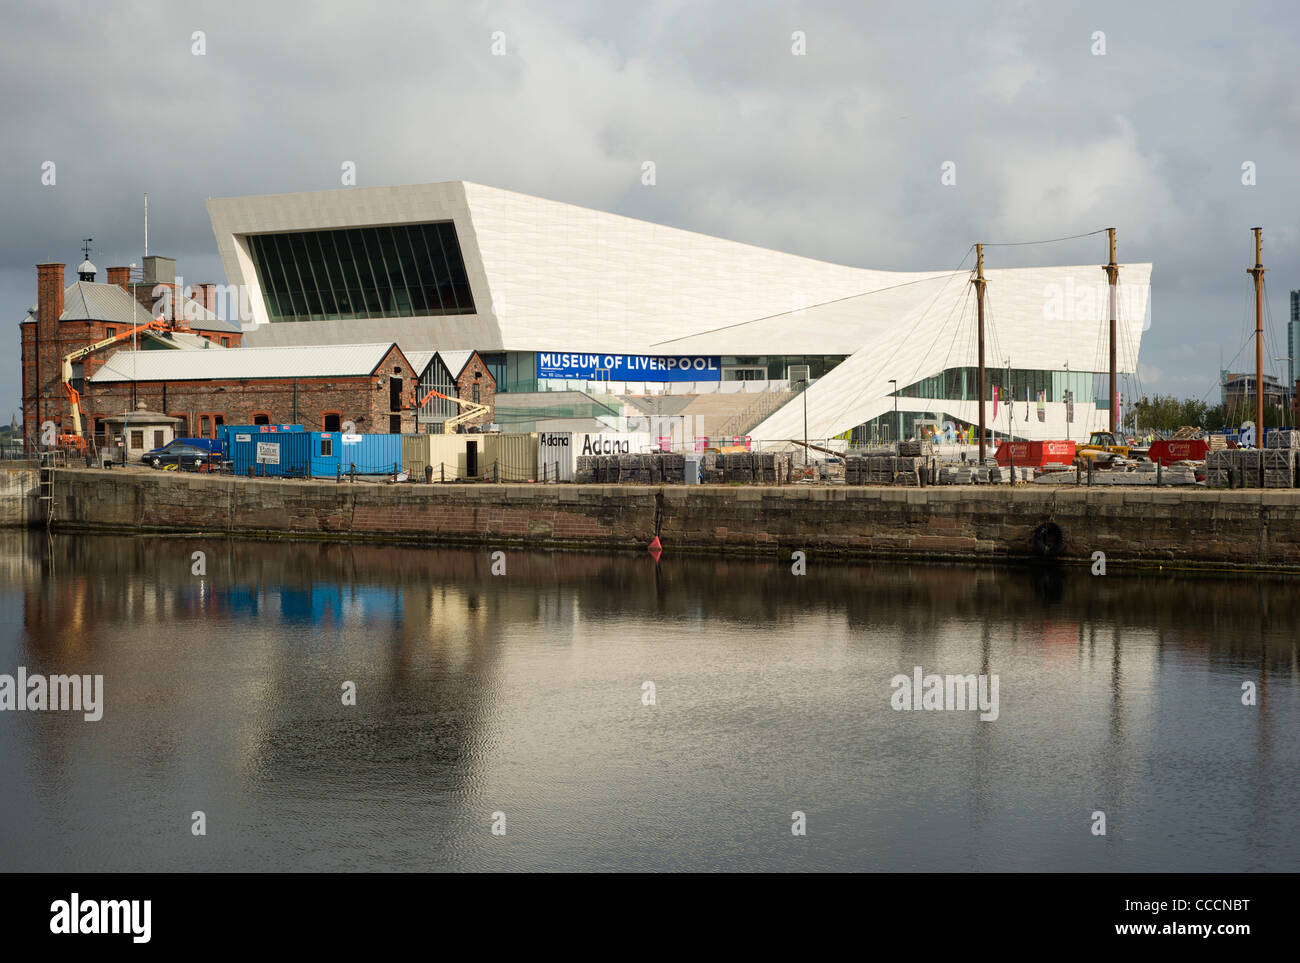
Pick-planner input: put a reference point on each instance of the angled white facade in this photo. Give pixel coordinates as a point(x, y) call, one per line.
point(540, 280)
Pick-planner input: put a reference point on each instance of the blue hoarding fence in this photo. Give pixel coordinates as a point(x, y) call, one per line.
point(629, 367)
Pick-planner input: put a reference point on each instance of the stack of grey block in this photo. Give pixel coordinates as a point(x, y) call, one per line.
point(1272, 467)
point(747, 467)
point(875, 468)
point(1217, 464)
point(1279, 466)
point(655, 468)
point(1289, 439)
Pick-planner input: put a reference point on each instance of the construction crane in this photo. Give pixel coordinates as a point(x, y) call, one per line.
point(76, 439)
point(469, 409)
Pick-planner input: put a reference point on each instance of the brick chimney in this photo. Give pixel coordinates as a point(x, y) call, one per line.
point(49, 292)
point(206, 295)
point(121, 276)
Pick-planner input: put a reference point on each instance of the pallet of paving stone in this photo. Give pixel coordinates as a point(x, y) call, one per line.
point(1216, 478)
point(1289, 439)
point(1277, 459)
point(1220, 460)
point(585, 472)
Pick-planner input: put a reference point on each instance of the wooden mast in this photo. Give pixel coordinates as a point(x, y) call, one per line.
point(1257, 272)
point(1112, 279)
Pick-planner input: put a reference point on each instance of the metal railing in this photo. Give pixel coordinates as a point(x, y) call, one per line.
point(767, 403)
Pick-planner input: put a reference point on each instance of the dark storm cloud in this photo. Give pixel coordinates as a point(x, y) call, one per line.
point(834, 155)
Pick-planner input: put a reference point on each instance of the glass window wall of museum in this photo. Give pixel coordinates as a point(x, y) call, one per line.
point(778, 366)
point(403, 270)
point(961, 384)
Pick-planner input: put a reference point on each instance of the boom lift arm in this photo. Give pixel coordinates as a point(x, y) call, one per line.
point(469, 409)
point(74, 356)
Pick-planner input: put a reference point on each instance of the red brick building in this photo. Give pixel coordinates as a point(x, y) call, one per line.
point(462, 374)
point(69, 317)
point(192, 367)
point(322, 387)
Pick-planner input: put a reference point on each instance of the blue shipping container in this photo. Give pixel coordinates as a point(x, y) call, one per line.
point(370, 454)
point(280, 454)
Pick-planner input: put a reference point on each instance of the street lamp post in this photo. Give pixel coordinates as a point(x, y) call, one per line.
point(805, 422)
point(894, 391)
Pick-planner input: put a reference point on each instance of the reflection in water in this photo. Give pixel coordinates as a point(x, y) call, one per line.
point(522, 693)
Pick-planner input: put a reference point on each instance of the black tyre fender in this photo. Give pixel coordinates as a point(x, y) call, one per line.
point(1049, 540)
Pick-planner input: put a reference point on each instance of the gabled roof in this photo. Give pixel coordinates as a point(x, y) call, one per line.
point(420, 359)
point(455, 361)
point(313, 361)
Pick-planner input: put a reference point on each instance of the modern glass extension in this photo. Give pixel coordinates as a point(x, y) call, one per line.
point(401, 271)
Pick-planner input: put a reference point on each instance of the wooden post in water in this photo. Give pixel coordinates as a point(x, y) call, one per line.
point(1112, 280)
point(979, 310)
point(1257, 272)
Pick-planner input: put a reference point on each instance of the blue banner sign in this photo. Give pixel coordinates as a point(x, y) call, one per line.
point(629, 367)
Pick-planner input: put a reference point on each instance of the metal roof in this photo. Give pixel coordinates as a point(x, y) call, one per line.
point(455, 361)
point(308, 361)
point(180, 339)
point(92, 301)
point(96, 301)
point(419, 359)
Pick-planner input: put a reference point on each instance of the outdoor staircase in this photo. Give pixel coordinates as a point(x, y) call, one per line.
point(763, 407)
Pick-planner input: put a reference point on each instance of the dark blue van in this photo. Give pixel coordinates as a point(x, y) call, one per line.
point(188, 454)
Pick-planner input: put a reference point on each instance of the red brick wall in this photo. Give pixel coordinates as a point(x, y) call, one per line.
point(477, 373)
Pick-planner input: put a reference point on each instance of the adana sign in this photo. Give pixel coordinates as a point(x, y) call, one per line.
point(629, 367)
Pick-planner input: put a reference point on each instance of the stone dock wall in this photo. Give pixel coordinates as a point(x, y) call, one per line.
point(1146, 525)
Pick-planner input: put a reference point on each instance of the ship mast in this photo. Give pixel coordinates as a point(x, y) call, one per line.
point(979, 283)
point(1257, 272)
point(1112, 279)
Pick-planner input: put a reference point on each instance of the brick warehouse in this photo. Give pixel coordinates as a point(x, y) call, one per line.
point(207, 379)
point(371, 385)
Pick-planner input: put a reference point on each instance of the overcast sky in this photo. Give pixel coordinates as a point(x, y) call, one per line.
point(836, 154)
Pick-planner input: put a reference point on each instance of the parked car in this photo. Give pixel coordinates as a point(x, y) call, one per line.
point(188, 454)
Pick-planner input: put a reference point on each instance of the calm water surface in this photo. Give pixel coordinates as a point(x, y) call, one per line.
point(522, 694)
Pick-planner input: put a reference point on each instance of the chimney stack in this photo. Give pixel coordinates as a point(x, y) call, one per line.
point(121, 276)
point(49, 292)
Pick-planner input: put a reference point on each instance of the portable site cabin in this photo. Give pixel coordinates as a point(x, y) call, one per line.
point(277, 455)
point(363, 454)
point(509, 457)
point(226, 433)
point(447, 455)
